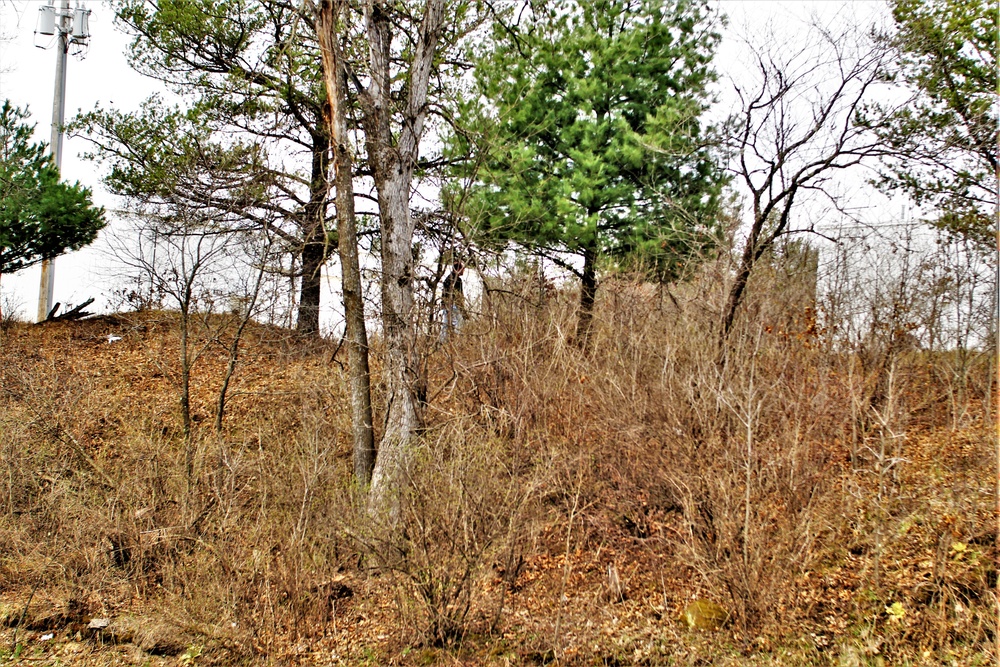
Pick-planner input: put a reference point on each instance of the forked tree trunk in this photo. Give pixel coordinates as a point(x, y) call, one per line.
point(356, 335)
point(393, 160)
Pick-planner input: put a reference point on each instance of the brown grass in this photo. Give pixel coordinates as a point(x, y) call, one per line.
point(761, 480)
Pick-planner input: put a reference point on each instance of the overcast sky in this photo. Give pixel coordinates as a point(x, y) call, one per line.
point(103, 76)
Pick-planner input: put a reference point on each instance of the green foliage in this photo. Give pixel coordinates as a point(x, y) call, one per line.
point(247, 145)
point(41, 217)
point(160, 154)
point(947, 137)
point(585, 130)
point(236, 59)
point(251, 90)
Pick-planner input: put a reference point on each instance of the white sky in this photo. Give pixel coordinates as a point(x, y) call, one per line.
point(27, 78)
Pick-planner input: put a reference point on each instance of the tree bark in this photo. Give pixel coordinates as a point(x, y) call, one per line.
point(314, 248)
point(740, 283)
point(356, 334)
point(588, 295)
point(185, 398)
point(752, 252)
point(402, 418)
point(313, 258)
point(393, 163)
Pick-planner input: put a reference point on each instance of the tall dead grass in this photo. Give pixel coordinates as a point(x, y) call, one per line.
point(768, 459)
point(784, 451)
point(97, 506)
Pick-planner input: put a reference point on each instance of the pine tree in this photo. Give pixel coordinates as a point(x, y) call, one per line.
point(588, 137)
point(945, 139)
point(250, 118)
point(41, 216)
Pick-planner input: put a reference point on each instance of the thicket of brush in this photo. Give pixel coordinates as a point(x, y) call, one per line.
point(814, 452)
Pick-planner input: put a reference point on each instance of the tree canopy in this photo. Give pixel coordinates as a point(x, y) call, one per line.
point(249, 130)
point(947, 136)
point(587, 137)
point(41, 216)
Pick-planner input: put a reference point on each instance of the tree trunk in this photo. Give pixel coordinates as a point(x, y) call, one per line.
point(752, 252)
point(314, 246)
point(588, 295)
point(736, 291)
point(313, 258)
point(185, 398)
point(393, 163)
point(356, 334)
point(402, 418)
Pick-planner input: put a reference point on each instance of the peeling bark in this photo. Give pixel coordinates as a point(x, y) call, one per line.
point(393, 160)
point(356, 334)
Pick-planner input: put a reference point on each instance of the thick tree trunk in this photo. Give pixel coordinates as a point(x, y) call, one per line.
point(402, 418)
point(313, 258)
point(356, 334)
point(588, 295)
point(357, 347)
point(393, 163)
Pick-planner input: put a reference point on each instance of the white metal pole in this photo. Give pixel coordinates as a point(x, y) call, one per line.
point(63, 28)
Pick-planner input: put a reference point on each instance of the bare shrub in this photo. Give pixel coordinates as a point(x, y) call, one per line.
point(650, 424)
point(754, 479)
point(765, 479)
point(462, 509)
point(95, 503)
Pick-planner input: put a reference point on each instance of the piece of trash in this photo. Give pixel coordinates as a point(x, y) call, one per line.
point(113, 338)
point(46, 637)
point(99, 623)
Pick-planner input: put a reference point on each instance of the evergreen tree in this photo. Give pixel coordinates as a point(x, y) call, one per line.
point(41, 217)
point(585, 129)
point(946, 137)
point(251, 118)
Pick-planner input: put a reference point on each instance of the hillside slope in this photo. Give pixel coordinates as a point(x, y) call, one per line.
point(641, 504)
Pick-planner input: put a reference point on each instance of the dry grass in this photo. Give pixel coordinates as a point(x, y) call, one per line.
point(550, 484)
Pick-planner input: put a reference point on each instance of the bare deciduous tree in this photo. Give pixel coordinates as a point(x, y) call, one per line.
point(393, 144)
point(795, 129)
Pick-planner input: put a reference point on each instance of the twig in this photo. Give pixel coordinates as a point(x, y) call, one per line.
point(66, 437)
point(24, 612)
point(566, 568)
point(60, 433)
